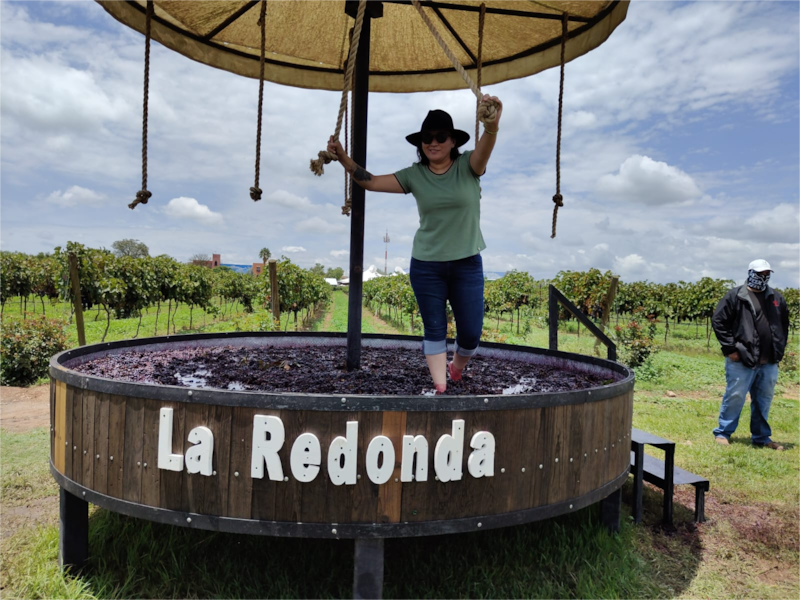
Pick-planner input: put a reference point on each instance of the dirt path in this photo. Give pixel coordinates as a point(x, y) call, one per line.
point(23, 409)
point(326, 323)
point(379, 324)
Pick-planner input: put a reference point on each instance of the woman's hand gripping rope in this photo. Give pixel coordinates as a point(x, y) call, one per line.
point(489, 110)
point(335, 150)
point(326, 156)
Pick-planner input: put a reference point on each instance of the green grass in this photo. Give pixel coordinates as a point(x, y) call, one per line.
point(560, 558)
point(24, 470)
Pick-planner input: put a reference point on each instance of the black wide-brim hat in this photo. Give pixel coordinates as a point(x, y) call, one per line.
point(438, 120)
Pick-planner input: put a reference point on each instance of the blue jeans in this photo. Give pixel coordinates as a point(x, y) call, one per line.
point(460, 282)
point(760, 382)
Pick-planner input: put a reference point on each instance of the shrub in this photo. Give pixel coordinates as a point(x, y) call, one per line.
point(637, 339)
point(26, 348)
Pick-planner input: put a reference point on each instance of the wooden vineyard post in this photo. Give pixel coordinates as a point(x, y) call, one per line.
point(76, 298)
point(607, 302)
point(273, 289)
point(552, 319)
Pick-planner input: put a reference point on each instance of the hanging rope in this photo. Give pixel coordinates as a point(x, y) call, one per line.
point(324, 157)
point(481, 21)
point(255, 191)
point(487, 111)
point(142, 196)
point(348, 182)
point(558, 199)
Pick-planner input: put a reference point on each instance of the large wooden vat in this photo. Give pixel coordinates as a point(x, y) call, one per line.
point(553, 452)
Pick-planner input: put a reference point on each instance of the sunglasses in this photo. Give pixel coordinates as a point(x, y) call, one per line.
point(440, 136)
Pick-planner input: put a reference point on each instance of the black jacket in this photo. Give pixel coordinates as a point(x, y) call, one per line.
point(734, 322)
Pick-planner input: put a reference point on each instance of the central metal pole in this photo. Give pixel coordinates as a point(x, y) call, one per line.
point(360, 97)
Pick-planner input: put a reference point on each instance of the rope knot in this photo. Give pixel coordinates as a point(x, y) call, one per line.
point(487, 111)
point(558, 199)
point(323, 158)
point(255, 194)
point(142, 196)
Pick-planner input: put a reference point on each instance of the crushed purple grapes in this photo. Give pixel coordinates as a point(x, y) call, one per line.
point(321, 370)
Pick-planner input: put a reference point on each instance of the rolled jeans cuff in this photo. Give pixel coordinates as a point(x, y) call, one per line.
point(430, 347)
point(464, 352)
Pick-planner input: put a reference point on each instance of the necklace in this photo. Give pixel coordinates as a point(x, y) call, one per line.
point(443, 171)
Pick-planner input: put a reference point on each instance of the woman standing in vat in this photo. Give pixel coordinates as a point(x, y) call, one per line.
point(446, 264)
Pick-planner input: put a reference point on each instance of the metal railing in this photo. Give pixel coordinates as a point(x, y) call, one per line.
point(554, 299)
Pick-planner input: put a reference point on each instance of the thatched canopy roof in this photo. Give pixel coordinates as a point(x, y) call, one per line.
point(307, 41)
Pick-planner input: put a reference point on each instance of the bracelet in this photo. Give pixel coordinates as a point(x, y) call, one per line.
point(490, 132)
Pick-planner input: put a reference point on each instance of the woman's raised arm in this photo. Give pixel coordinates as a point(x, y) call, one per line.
point(368, 181)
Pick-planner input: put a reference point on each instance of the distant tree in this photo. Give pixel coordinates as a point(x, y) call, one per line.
point(335, 273)
point(264, 253)
point(199, 258)
point(129, 247)
point(318, 269)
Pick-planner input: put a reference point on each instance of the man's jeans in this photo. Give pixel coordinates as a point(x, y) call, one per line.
point(760, 382)
point(460, 282)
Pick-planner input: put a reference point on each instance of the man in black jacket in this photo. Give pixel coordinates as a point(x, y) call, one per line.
point(752, 325)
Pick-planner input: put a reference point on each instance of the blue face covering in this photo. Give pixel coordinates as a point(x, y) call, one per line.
point(757, 282)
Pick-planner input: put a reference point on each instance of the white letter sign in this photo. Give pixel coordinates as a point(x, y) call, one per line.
point(481, 461)
point(380, 445)
point(305, 458)
point(166, 459)
point(268, 437)
point(448, 453)
point(342, 456)
point(200, 456)
point(414, 446)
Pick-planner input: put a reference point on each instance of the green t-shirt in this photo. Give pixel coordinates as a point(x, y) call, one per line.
point(449, 208)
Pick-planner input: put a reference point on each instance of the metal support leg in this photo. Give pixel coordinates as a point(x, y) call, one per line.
point(699, 504)
point(669, 473)
point(368, 568)
point(638, 477)
point(610, 508)
point(73, 539)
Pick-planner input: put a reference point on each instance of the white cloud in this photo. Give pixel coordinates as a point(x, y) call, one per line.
point(292, 249)
point(288, 199)
point(645, 181)
point(76, 196)
point(320, 225)
point(581, 119)
point(632, 262)
point(189, 208)
point(340, 253)
point(779, 224)
point(50, 96)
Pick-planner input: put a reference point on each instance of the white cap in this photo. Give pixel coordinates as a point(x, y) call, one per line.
point(759, 265)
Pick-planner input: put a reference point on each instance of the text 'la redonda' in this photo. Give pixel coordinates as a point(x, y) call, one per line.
point(305, 458)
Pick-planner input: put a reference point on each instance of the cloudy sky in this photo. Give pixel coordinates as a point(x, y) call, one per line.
point(679, 154)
